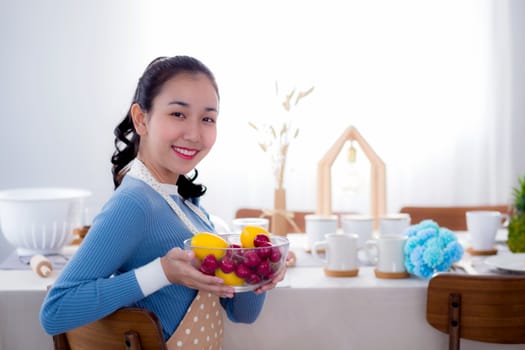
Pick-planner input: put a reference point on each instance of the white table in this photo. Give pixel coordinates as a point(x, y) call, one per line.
point(307, 311)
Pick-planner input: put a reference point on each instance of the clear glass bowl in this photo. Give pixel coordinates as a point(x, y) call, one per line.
point(246, 268)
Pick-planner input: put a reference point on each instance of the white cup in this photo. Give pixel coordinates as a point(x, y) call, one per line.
point(361, 225)
point(482, 225)
point(317, 226)
point(394, 224)
point(341, 251)
point(387, 253)
point(240, 223)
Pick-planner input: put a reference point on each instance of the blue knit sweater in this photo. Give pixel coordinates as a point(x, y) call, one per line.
point(135, 227)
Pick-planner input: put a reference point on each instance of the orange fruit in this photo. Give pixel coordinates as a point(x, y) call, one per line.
point(230, 279)
point(249, 233)
point(203, 240)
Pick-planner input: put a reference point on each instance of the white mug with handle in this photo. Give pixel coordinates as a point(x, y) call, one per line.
point(341, 254)
point(387, 253)
point(394, 224)
point(317, 226)
point(483, 225)
point(362, 225)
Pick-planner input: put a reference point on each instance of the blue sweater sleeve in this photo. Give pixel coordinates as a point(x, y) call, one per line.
point(89, 287)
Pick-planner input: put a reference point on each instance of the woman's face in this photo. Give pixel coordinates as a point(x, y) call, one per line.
point(180, 129)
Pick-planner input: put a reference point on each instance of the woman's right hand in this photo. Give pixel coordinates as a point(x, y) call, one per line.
point(178, 268)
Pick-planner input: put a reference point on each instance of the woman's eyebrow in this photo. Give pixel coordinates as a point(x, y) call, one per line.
point(181, 103)
point(186, 104)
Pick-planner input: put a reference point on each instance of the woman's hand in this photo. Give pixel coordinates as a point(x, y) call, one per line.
point(178, 268)
point(290, 261)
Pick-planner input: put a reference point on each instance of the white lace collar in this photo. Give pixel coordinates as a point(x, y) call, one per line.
point(170, 189)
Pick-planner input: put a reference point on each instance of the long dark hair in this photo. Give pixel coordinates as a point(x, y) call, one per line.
point(158, 72)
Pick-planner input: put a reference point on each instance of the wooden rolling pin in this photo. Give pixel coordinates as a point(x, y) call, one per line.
point(41, 265)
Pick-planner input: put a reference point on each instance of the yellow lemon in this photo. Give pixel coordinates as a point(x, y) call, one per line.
point(230, 279)
point(203, 240)
point(249, 233)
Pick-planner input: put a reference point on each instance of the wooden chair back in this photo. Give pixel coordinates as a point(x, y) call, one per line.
point(485, 308)
point(298, 217)
point(452, 218)
point(128, 328)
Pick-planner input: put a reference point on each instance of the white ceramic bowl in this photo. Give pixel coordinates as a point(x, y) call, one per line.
point(41, 220)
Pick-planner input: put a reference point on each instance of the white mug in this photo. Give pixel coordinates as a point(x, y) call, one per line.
point(317, 226)
point(341, 251)
point(240, 223)
point(482, 225)
point(394, 224)
point(361, 225)
point(387, 253)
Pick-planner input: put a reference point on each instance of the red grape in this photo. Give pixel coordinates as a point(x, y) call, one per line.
point(253, 278)
point(227, 265)
point(275, 255)
point(260, 239)
point(242, 271)
point(251, 259)
point(209, 265)
point(264, 269)
point(264, 250)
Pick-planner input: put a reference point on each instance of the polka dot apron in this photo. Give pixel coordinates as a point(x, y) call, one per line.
point(202, 326)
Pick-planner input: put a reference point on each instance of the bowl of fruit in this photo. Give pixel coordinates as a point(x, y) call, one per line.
point(245, 261)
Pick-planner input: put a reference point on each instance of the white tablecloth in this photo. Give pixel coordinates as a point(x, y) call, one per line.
point(307, 311)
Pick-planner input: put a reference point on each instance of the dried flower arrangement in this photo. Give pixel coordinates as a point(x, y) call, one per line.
point(275, 139)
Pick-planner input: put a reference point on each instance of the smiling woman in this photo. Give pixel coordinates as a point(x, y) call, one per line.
point(428, 83)
point(134, 246)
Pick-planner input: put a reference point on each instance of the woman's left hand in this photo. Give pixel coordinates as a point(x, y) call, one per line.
point(277, 278)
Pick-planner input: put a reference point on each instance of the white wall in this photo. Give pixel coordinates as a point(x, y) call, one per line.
point(412, 76)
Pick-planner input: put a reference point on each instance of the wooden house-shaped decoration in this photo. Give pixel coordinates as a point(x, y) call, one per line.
point(377, 174)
